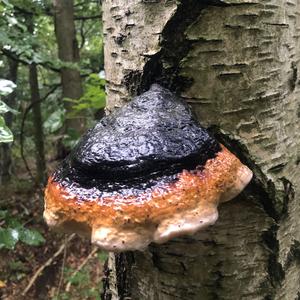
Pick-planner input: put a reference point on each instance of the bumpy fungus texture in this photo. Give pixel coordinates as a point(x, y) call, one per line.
point(147, 172)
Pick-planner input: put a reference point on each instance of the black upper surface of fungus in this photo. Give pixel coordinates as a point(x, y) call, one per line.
point(146, 142)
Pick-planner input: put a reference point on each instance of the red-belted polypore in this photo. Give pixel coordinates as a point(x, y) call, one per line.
point(146, 173)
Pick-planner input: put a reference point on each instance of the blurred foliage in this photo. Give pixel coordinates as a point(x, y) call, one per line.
point(93, 97)
point(18, 43)
point(80, 281)
point(6, 135)
point(55, 120)
point(71, 138)
point(14, 232)
point(6, 87)
point(40, 47)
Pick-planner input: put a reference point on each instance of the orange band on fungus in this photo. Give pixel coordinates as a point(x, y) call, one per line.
point(182, 207)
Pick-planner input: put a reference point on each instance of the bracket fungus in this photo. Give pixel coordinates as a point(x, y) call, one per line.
point(146, 173)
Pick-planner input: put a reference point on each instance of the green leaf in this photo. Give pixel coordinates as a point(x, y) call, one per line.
point(93, 97)
point(6, 87)
point(6, 135)
point(55, 121)
point(71, 138)
point(3, 214)
point(8, 238)
point(4, 108)
point(31, 237)
point(17, 265)
point(6, 2)
point(70, 100)
point(79, 277)
point(12, 222)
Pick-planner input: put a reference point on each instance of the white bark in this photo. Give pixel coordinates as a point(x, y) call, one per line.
point(236, 62)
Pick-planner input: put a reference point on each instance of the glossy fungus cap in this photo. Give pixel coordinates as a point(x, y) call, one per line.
point(147, 172)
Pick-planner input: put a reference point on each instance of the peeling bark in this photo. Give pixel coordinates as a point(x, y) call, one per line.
point(236, 63)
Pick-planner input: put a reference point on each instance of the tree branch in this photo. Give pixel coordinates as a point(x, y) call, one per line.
point(23, 61)
point(99, 2)
point(76, 18)
point(22, 10)
point(23, 125)
point(47, 264)
point(82, 35)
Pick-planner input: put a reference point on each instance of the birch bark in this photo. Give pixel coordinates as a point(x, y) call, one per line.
point(236, 63)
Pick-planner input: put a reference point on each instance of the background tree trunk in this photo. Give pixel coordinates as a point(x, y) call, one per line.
point(236, 62)
point(10, 100)
point(38, 125)
point(68, 52)
point(37, 116)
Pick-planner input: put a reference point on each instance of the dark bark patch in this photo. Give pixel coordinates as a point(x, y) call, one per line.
point(277, 168)
point(275, 270)
point(124, 261)
point(294, 77)
point(293, 255)
point(106, 294)
point(218, 277)
point(289, 194)
point(132, 82)
point(156, 261)
point(164, 65)
point(120, 39)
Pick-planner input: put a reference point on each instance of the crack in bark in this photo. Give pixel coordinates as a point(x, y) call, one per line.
point(289, 195)
point(260, 186)
point(164, 66)
point(174, 49)
point(275, 270)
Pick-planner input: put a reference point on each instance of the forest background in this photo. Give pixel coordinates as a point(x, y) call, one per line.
point(52, 89)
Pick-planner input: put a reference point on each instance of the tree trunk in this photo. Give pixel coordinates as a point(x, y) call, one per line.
point(236, 63)
point(38, 125)
point(68, 52)
point(10, 100)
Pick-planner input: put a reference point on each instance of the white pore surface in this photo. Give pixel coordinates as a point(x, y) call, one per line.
point(185, 224)
point(113, 239)
point(138, 238)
